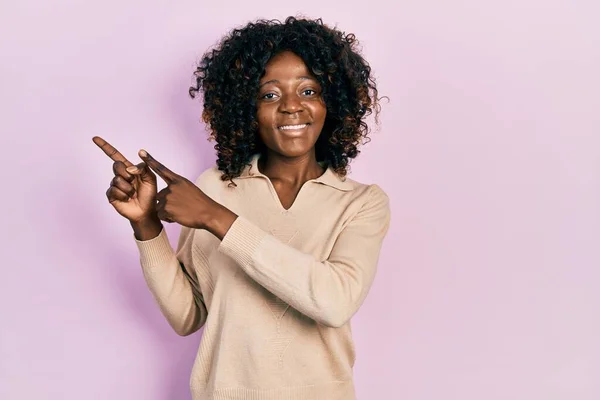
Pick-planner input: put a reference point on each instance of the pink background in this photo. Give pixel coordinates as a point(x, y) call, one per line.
point(489, 150)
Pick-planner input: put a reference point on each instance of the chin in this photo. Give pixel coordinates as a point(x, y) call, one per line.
point(294, 153)
point(292, 148)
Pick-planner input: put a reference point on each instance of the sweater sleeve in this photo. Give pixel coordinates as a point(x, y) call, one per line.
point(172, 280)
point(329, 292)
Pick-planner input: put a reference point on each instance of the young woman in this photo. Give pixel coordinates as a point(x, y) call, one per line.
point(278, 249)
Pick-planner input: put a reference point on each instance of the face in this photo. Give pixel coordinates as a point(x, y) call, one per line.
point(290, 109)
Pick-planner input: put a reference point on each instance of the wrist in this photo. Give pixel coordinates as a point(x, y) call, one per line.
point(147, 228)
point(219, 220)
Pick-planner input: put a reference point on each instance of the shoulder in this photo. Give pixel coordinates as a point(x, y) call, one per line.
point(377, 201)
point(210, 182)
point(370, 193)
point(368, 208)
point(374, 201)
point(376, 195)
point(210, 177)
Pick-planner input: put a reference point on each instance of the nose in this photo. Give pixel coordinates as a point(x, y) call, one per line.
point(290, 104)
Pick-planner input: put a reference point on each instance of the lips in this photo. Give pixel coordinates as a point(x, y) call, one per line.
point(292, 127)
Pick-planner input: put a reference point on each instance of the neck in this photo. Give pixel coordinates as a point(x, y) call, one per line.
point(290, 170)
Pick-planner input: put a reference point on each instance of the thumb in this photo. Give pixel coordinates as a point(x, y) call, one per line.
point(142, 170)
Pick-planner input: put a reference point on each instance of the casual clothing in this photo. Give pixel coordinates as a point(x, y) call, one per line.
point(276, 295)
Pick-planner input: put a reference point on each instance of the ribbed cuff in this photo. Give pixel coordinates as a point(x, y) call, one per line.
point(241, 241)
point(156, 251)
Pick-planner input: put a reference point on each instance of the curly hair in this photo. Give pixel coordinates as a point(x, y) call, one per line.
point(229, 76)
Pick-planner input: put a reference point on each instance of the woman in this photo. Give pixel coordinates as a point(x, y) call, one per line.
point(277, 249)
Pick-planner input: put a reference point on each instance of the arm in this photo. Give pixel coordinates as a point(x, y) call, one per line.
point(329, 292)
point(171, 278)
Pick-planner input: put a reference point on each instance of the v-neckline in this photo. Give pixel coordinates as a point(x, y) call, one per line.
point(277, 199)
point(275, 195)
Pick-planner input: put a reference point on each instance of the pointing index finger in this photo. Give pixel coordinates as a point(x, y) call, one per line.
point(162, 171)
point(110, 151)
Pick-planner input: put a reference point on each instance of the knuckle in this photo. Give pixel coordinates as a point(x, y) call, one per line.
point(117, 166)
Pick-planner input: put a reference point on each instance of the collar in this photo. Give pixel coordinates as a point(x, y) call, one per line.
point(329, 177)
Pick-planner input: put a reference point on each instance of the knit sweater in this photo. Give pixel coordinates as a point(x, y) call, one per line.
point(276, 295)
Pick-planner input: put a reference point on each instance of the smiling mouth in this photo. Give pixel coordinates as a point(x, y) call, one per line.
point(292, 127)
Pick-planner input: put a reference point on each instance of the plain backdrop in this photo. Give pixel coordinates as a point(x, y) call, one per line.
point(489, 148)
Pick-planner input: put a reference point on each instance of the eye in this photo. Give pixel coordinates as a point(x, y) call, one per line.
point(309, 92)
point(268, 96)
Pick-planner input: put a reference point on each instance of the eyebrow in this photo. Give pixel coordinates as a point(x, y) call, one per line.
point(300, 78)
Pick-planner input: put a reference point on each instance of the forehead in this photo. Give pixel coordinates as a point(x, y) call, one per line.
point(286, 64)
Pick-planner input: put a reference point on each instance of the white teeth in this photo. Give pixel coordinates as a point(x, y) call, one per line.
point(293, 126)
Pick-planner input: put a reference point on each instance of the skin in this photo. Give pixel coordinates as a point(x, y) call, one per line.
point(288, 95)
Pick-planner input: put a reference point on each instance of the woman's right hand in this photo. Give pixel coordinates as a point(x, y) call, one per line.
point(133, 195)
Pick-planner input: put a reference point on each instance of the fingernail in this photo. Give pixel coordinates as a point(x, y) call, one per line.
point(132, 170)
point(143, 153)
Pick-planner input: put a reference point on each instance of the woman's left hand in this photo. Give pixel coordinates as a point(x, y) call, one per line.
point(181, 201)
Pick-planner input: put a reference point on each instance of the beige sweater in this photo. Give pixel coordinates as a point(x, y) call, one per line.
point(276, 296)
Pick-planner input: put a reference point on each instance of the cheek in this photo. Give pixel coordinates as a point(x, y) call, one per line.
point(264, 119)
point(319, 112)
point(264, 115)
